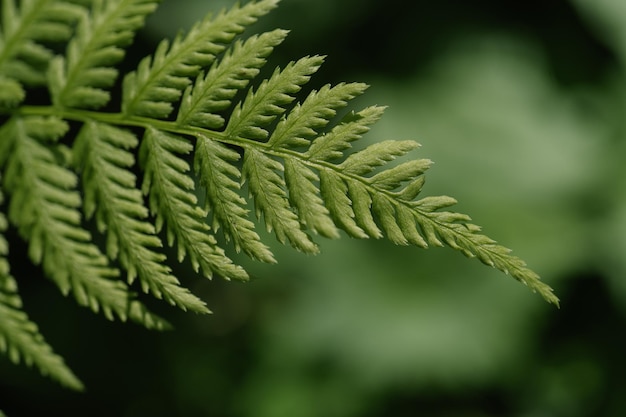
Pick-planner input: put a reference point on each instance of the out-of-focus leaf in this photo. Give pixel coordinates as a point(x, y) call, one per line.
point(608, 17)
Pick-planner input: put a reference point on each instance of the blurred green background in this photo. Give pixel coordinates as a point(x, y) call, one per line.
point(521, 106)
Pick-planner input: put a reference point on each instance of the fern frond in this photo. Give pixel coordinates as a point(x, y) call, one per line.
point(111, 194)
point(44, 206)
point(365, 203)
point(219, 176)
point(304, 121)
point(80, 78)
point(20, 338)
point(305, 199)
point(11, 92)
point(360, 194)
point(270, 199)
point(261, 107)
point(159, 81)
point(213, 93)
point(172, 202)
point(352, 127)
point(25, 31)
point(457, 233)
point(294, 159)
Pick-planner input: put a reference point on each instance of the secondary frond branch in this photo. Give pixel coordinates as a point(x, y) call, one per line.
point(44, 208)
point(305, 120)
point(79, 79)
point(251, 117)
point(270, 199)
point(25, 31)
point(173, 202)
point(159, 81)
point(220, 178)
point(20, 338)
point(362, 196)
point(214, 91)
point(111, 194)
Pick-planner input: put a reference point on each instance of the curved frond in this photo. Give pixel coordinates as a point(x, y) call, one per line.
point(368, 199)
point(80, 78)
point(357, 190)
point(160, 80)
point(293, 158)
point(101, 153)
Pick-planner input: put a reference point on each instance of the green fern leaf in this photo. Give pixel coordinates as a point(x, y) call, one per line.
point(352, 127)
point(11, 92)
point(406, 221)
point(355, 200)
point(214, 163)
point(79, 79)
point(213, 93)
point(336, 196)
point(171, 201)
point(270, 199)
point(376, 155)
point(23, 56)
point(260, 108)
point(159, 81)
point(20, 338)
point(110, 193)
point(305, 199)
point(44, 206)
point(304, 121)
point(295, 160)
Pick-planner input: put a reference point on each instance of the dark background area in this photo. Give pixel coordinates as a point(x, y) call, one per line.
point(520, 104)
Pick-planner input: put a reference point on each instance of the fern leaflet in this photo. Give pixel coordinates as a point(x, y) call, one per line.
point(171, 198)
point(25, 29)
point(44, 206)
point(79, 79)
point(19, 337)
point(110, 193)
point(159, 81)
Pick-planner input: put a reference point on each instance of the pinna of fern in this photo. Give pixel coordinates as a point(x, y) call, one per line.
point(196, 121)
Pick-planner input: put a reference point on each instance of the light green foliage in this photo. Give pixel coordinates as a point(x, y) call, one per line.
point(70, 159)
point(27, 28)
point(79, 79)
point(20, 339)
